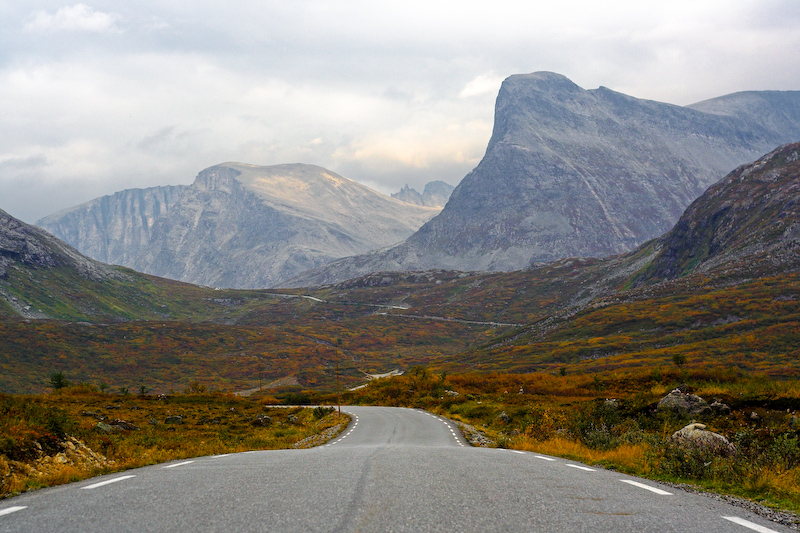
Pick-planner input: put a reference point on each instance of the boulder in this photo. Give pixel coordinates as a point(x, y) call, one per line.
point(720, 408)
point(123, 425)
point(106, 428)
point(261, 421)
point(174, 419)
point(696, 437)
point(685, 404)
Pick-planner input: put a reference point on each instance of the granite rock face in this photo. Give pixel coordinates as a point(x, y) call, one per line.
point(570, 172)
point(239, 225)
point(114, 228)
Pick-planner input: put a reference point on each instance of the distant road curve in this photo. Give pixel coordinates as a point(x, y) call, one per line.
point(392, 469)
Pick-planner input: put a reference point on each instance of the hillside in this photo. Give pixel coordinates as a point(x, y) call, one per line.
point(570, 172)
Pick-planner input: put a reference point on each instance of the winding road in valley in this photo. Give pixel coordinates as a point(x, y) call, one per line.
point(392, 469)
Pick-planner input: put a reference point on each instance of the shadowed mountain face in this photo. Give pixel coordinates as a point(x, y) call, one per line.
point(749, 220)
point(239, 225)
point(576, 173)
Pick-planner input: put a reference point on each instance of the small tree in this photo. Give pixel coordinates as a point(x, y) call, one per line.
point(679, 359)
point(58, 380)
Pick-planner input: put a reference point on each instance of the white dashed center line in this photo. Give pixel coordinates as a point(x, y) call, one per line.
point(646, 487)
point(106, 482)
point(179, 464)
point(14, 509)
point(748, 524)
point(543, 458)
point(581, 467)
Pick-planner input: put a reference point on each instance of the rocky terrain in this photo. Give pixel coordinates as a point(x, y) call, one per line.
point(570, 172)
point(749, 220)
point(435, 194)
point(239, 225)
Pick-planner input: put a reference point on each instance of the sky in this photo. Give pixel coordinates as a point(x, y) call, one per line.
point(101, 96)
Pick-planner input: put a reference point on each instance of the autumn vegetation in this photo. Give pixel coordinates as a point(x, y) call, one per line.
point(77, 432)
point(612, 421)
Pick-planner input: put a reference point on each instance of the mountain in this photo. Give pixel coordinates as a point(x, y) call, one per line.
point(750, 220)
point(435, 194)
point(40, 274)
point(113, 229)
point(570, 172)
point(239, 225)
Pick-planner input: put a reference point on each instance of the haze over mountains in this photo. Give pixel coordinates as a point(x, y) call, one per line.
point(567, 172)
point(239, 225)
point(570, 172)
point(435, 194)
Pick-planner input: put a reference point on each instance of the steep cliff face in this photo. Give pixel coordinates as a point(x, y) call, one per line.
point(750, 219)
point(246, 226)
point(113, 229)
point(576, 173)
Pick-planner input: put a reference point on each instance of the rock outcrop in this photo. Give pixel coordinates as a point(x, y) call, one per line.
point(696, 437)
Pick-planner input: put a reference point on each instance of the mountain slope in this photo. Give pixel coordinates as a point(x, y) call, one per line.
point(114, 228)
point(570, 172)
point(240, 225)
point(750, 219)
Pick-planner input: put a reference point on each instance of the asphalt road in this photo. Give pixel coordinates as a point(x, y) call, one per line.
point(391, 470)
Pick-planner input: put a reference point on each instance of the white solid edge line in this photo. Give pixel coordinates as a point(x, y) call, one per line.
point(179, 464)
point(107, 482)
point(14, 509)
point(646, 487)
point(748, 524)
point(581, 467)
point(544, 458)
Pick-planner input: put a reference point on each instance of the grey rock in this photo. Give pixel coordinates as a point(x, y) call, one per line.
point(695, 436)
point(114, 228)
point(123, 425)
point(684, 404)
point(174, 419)
point(293, 419)
point(106, 428)
point(262, 421)
point(720, 408)
point(504, 418)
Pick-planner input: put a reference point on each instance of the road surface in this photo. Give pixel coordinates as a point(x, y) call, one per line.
point(392, 469)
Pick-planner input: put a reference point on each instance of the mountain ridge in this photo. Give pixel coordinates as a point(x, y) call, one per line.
point(570, 172)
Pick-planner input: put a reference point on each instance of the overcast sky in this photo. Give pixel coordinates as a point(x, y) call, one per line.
point(102, 96)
